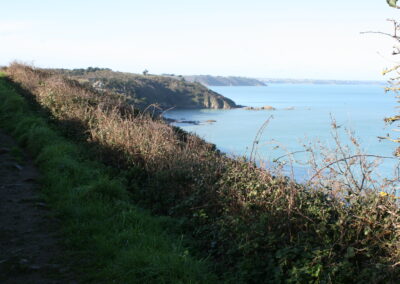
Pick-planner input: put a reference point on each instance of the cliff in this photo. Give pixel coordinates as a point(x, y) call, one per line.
point(145, 90)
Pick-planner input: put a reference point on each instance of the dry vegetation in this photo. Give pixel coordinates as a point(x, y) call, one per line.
point(146, 90)
point(257, 227)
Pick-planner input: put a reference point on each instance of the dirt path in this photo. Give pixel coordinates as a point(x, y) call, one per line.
point(29, 250)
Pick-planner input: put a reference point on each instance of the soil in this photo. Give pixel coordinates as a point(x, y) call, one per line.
point(30, 250)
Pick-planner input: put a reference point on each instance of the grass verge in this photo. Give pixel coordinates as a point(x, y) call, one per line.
point(112, 240)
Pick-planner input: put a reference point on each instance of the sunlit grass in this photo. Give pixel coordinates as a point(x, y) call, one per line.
point(109, 239)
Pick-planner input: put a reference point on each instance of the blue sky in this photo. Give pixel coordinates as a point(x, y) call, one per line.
point(274, 39)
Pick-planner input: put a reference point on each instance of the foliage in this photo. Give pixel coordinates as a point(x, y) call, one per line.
point(394, 80)
point(145, 90)
point(392, 3)
point(257, 227)
point(108, 238)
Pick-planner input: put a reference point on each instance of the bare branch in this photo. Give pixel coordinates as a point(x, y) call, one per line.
point(345, 159)
point(384, 72)
point(257, 138)
point(290, 154)
point(390, 139)
point(382, 33)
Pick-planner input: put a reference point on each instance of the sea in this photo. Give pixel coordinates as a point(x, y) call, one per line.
point(304, 115)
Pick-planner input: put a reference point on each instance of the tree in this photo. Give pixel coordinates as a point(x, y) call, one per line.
point(393, 3)
point(394, 80)
point(145, 72)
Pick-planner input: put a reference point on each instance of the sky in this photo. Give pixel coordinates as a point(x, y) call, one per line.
point(252, 38)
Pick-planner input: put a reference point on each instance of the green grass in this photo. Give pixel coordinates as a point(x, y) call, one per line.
point(111, 240)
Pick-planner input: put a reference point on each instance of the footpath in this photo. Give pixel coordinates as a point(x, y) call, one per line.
point(30, 250)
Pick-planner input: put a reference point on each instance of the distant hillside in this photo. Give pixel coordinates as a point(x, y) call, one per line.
point(321, 82)
point(145, 90)
point(209, 80)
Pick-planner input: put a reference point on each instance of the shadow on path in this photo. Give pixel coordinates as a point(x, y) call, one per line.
point(29, 236)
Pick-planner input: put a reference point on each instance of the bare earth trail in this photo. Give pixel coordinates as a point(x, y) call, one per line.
point(29, 237)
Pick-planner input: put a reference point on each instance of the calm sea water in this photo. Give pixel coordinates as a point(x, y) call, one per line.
point(358, 107)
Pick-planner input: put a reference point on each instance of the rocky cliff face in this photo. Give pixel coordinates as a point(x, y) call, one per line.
point(218, 102)
point(145, 90)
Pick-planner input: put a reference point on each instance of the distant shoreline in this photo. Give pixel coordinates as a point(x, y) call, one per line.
point(221, 81)
point(323, 82)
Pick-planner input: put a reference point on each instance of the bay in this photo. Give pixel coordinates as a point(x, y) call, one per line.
point(303, 114)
